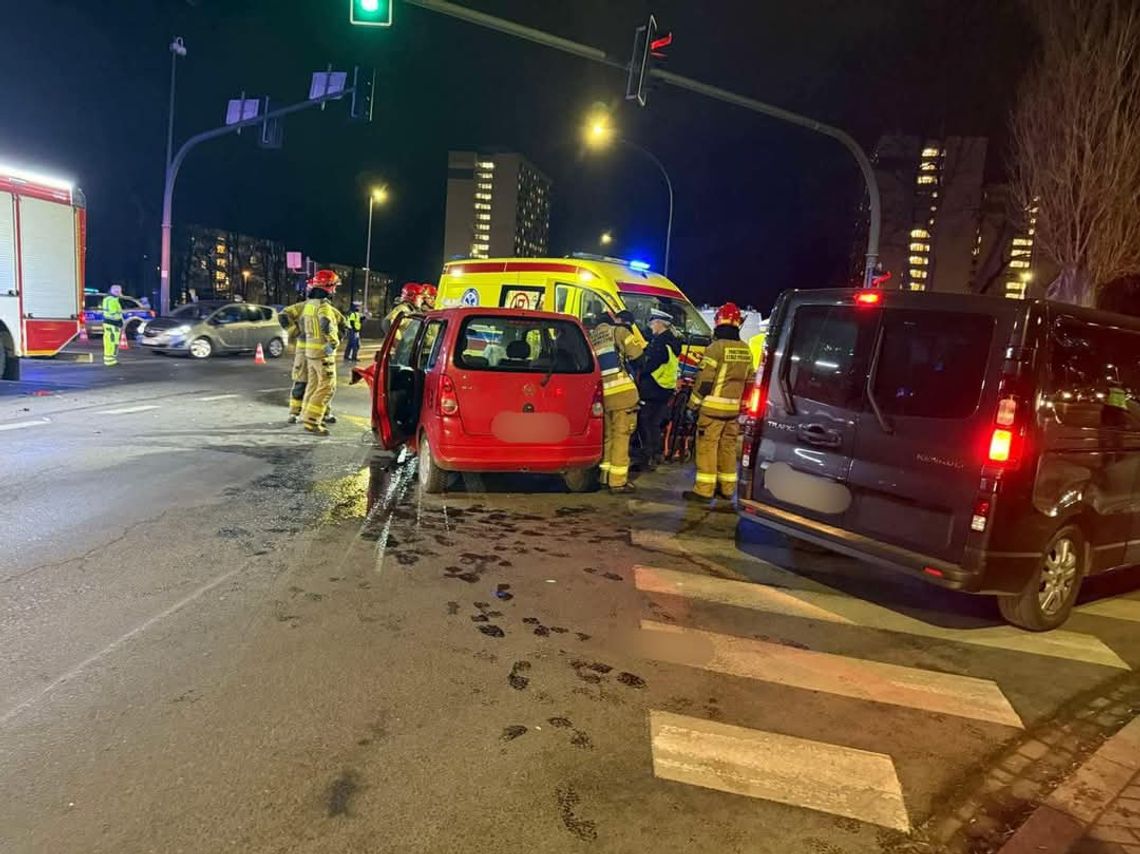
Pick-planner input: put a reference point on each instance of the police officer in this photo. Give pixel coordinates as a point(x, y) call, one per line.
point(320, 328)
point(615, 347)
point(659, 371)
point(112, 325)
point(715, 404)
point(353, 322)
point(408, 302)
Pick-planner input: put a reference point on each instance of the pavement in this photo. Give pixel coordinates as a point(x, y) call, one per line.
point(218, 633)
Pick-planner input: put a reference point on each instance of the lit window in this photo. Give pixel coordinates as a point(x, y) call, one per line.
point(920, 247)
point(928, 166)
point(1022, 241)
point(930, 151)
point(927, 179)
point(919, 233)
point(919, 260)
point(1019, 264)
point(918, 274)
point(220, 276)
point(486, 164)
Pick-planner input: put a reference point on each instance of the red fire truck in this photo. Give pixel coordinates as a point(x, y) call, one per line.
point(43, 226)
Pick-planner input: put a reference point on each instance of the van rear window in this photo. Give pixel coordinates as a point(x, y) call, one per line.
point(932, 364)
point(828, 358)
point(523, 345)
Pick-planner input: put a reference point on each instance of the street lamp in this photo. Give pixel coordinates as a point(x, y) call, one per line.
point(376, 196)
point(177, 49)
point(606, 239)
point(599, 134)
point(245, 274)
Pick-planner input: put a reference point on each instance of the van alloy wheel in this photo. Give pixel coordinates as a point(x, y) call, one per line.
point(1058, 576)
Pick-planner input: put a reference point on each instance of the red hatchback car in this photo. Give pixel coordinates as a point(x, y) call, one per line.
point(490, 390)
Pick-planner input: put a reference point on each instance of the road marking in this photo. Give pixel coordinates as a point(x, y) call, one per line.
point(829, 778)
point(20, 425)
point(216, 397)
point(909, 687)
point(113, 645)
point(127, 410)
point(267, 390)
point(1117, 609)
point(1059, 643)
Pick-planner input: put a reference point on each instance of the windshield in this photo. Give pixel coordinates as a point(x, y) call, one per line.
point(687, 321)
point(523, 345)
point(194, 311)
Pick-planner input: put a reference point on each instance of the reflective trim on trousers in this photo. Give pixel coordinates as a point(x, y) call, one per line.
point(706, 477)
point(726, 478)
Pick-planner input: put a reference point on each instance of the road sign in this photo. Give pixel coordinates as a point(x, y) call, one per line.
point(327, 83)
point(293, 260)
point(240, 109)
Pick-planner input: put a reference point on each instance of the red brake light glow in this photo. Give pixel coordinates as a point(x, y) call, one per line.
point(1001, 443)
point(868, 298)
point(755, 402)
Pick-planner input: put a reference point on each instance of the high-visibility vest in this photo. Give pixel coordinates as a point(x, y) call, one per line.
point(112, 310)
point(726, 370)
point(756, 345)
point(354, 321)
point(665, 374)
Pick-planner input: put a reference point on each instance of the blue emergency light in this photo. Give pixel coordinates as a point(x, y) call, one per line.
point(640, 266)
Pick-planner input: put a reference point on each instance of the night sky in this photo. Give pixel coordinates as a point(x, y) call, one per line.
point(760, 205)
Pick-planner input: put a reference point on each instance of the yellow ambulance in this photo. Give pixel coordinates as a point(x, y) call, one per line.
point(580, 285)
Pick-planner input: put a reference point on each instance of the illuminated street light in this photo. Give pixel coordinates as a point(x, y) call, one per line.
point(599, 133)
point(606, 239)
point(378, 195)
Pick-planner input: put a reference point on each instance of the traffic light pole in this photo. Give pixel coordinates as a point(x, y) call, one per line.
point(444, 7)
point(176, 163)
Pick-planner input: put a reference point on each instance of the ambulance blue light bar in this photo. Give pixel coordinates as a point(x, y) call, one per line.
point(640, 266)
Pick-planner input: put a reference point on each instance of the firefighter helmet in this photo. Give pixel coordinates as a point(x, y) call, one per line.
point(326, 280)
point(427, 295)
point(410, 293)
point(729, 313)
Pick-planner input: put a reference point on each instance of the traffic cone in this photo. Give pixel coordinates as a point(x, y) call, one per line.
point(123, 345)
point(83, 333)
point(259, 356)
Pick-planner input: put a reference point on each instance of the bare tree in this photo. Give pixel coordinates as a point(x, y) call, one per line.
point(1076, 143)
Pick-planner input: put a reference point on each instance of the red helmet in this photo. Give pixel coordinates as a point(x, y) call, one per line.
point(325, 279)
point(410, 293)
point(729, 313)
point(427, 295)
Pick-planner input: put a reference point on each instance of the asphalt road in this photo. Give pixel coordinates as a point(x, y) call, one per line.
point(218, 633)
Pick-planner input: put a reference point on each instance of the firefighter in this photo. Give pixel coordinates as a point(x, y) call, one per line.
point(409, 299)
point(615, 346)
point(353, 322)
point(290, 320)
point(320, 328)
point(112, 325)
point(659, 372)
point(427, 295)
point(715, 404)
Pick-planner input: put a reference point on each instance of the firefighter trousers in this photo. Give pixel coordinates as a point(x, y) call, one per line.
point(319, 389)
point(619, 426)
point(716, 455)
point(111, 335)
point(300, 377)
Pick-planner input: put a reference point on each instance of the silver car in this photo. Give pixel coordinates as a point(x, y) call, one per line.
point(202, 329)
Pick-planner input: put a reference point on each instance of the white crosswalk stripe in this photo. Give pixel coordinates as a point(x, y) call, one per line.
point(1117, 609)
point(20, 425)
point(873, 681)
point(835, 608)
point(129, 410)
point(826, 777)
point(216, 397)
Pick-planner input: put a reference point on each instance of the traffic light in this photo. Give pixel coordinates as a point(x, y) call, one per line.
point(363, 91)
point(648, 49)
point(370, 13)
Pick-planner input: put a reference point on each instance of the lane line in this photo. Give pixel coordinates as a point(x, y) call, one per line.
point(216, 397)
point(825, 777)
point(1059, 643)
point(127, 410)
point(266, 390)
point(113, 645)
point(20, 425)
point(908, 687)
point(1117, 609)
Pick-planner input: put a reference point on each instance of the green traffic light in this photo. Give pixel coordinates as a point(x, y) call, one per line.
point(370, 13)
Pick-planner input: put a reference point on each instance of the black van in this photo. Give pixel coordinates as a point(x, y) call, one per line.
point(985, 444)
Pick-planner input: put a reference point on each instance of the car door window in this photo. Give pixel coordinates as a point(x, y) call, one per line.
point(827, 360)
point(1095, 376)
point(402, 349)
point(429, 348)
point(229, 315)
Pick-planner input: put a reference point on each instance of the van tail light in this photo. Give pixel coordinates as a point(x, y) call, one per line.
point(1001, 445)
point(1006, 434)
point(981, 514)
point(597, 410)
point(1007, 412)
point(756, 401)
point(448, 401)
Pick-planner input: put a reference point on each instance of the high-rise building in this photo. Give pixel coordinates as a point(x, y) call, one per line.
point(214, 263)
point(498, 205)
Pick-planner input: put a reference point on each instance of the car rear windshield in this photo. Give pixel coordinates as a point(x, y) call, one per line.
point(523, 345)
point(932, 363)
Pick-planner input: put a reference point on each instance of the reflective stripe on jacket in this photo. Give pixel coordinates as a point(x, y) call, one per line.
point(726, 370)
point(614, 346)
point(112, 310)
point(394, 316)
point(354, 321)
point(320, 322)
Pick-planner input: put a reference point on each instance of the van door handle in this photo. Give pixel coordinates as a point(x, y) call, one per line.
point(818, 435)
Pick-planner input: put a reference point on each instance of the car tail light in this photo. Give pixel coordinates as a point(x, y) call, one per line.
point(933, 572)
point(597, 410)
point(981, 514)
point(448, 402)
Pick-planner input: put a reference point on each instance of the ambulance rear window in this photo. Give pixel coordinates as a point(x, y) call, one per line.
point(523, 345)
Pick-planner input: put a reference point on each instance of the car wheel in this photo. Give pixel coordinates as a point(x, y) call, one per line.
point(201, 348)
point(433, 479)
point(581, 480)
point(274, 348)
point(1048, 598)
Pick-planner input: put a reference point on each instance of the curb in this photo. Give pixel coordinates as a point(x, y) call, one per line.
point(1074, 806)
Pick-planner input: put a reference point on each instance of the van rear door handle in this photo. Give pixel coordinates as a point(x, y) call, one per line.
point(818, 435)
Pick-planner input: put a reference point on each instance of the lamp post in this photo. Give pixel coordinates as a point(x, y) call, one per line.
point(599, 133)
point(376, 196)
point(606, 239)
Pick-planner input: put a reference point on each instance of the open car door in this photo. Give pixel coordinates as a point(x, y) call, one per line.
point(395, 383)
